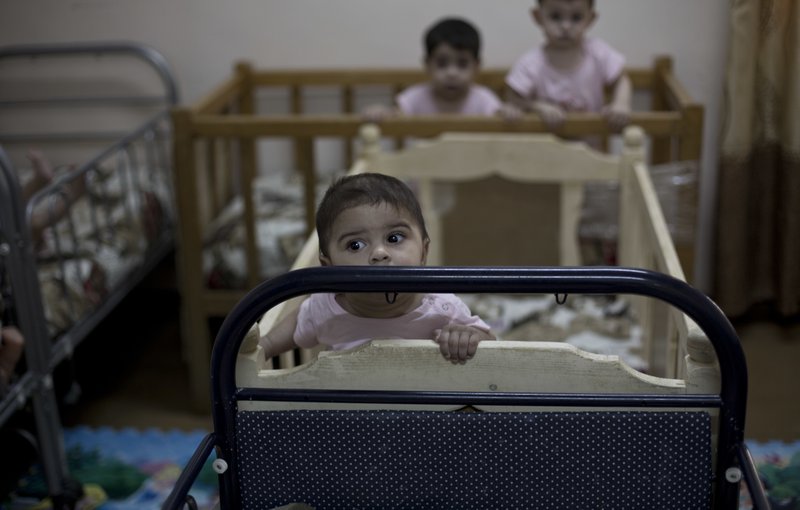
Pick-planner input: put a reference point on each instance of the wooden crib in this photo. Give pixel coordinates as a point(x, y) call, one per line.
point(518, 169)
point(219, 153)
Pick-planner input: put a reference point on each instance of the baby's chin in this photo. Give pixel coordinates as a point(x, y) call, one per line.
point(379, 298)
point(377, 304)
point(451, 93)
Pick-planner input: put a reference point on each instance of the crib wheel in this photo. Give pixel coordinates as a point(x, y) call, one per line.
point(220, 466)
point(733, 474)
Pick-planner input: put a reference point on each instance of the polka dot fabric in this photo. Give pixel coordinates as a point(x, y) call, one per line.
point(436, 460)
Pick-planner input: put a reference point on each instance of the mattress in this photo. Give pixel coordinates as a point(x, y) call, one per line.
point(280, 232)
point(107, 234)
point(597, 324)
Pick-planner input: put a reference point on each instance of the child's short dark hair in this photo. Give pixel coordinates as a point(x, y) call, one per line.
point(365, 189)
point(458, 33)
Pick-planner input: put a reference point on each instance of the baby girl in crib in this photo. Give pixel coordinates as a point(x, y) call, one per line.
point(452, 60)
point(374, 219)
point(569, 72)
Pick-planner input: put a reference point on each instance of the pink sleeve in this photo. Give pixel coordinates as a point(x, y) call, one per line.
point(415, 100)
point(461, 314)
point(489, 102)
point(403, 101)
point(612, 62)
point(521, 77)
point(305, 332)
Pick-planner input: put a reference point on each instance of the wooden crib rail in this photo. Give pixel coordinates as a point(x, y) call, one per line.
point(641, 78)
point(644, 241)
point(675, 119)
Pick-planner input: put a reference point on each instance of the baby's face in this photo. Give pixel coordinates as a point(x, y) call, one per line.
point(375, 235)
point(564, 22)
point(451, 71)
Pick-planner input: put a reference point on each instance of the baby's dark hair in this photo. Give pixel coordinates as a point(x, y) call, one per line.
point(458, 33)
point(365, 189)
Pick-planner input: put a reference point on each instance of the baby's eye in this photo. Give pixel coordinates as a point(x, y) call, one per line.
point(463, 63)
point(577, 18)
point(355, 245)
point(556, 16)
point(442, 62)
point(395, 237)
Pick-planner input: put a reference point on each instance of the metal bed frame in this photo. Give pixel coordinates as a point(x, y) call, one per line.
point(43, 353)
point(732, 460)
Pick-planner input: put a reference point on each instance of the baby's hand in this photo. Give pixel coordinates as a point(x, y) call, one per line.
point(552, 115)
point(458, 343)
point(617, 116)
point(377, 113)
point(510, 112)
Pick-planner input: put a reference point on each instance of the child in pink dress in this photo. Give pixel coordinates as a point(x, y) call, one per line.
point(452, 60)
point(570, 72)
point(374, 219)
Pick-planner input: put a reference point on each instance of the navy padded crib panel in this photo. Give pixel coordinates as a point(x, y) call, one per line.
point(435, 460)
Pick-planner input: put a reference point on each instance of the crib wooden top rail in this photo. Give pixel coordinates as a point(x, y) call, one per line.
point(347, 125)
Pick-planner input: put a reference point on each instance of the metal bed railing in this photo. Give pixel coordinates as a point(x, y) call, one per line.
point(36, 383)
point(732, 462)
point(135, 142)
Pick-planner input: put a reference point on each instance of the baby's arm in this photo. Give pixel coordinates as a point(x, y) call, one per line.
point(552, 115)
point(379, 112)
point(281, 338)
point(618, 111)
point(458, 342)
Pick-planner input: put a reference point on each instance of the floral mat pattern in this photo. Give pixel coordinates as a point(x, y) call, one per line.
point(121, 469)
point(128, 469)
point(779, 468)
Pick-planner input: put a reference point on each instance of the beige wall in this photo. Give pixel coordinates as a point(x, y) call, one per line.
point(202, 38)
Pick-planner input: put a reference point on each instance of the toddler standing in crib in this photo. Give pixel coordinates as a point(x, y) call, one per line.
point(375, 220)
point(452, 60)
point(569, 72)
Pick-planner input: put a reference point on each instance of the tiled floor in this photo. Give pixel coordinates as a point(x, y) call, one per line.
point(131, 371)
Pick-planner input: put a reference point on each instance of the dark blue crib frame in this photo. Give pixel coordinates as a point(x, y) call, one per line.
point(732, 455)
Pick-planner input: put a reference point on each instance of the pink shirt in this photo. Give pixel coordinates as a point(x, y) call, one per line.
point(321, 320)
point(579, 90)
point(419, 100)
